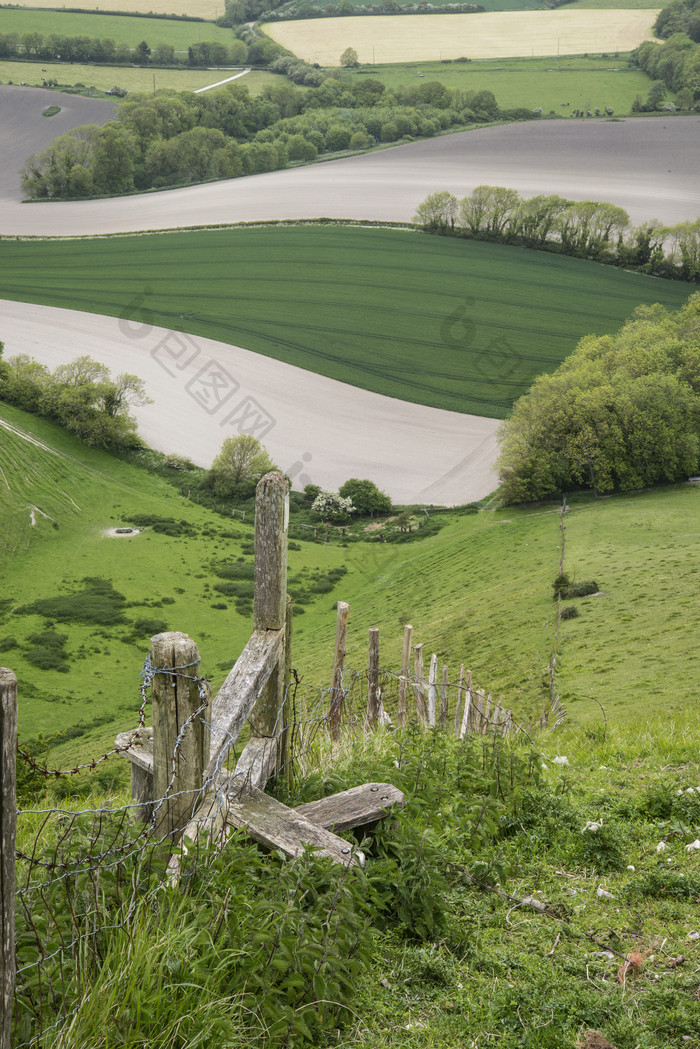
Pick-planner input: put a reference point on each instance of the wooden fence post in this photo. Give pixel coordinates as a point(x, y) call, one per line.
point(432, 690)
point(443, 699)
point(403, 680)
point(468, 715)
point(8, 814)
point(419, 684)
point(460, 690)
point(176, 698)
point(373, 694)
point(337, 694)
point(270, 601)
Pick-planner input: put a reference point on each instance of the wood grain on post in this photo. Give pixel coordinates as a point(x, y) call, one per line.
point(337, 695)
point(432, 690)
point(468, 715)
point(176, 698)
point(373, 695)
point(460, 691)
point(403, 680)
point(419, 684)
point(8, 842)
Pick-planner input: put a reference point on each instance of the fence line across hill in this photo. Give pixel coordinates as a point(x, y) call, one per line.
point(70, 878)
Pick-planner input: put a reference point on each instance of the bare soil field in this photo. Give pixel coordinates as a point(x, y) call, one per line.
point(647, 165)
point(311, 424)
point(23, 129)
point(498, 34)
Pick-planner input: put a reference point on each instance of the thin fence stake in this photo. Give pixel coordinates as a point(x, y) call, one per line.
point(403, 680)
point(8, 844)
point(460, 690)
point(432, 690)
point(373, 695)
point(485, 715)
point(419, 683)
point(338, 663)
point(468, 715)
point(443, 699)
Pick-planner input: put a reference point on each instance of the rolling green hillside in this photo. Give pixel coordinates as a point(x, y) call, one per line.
point(121, 29)
point(455, 324)
point(478, 592)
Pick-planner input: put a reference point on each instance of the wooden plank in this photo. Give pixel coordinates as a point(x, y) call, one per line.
point(275, 826)
point(258, 762)
point(374, 701)
point(137, 747)
point(337, 693)
point(403, 680)
point(239, 692)
point(8, 841)
point(353, 808)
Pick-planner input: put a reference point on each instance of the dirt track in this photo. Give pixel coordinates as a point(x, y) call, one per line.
point(647, 165)
point(316, 429)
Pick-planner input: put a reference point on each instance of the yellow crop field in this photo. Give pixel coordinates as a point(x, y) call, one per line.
point(209, 9)
point(502, 34)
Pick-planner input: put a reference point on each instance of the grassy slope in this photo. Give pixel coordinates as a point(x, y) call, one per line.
point(583, 82)
point(450, 323)
point(122, 30)
point(478, 592)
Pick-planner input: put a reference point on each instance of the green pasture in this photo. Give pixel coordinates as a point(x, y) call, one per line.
point(133, 78)
point(445, 322)
point(551, 83)
point(478, 592)
point(120, 28)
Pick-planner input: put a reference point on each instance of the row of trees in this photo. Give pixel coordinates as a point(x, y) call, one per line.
point(585, 229)
point(347, 9)
point(166, 139)
point(673, 65)
point(55, 48)
point(682, 16)
point(81, 396)
point(622, 412)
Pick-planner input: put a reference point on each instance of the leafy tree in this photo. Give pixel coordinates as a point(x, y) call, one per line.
point(365, 497)
point(437, 211)
point(239, 465)
point(622, 412)
point(349, 58)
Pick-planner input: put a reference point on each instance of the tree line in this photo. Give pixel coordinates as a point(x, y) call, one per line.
point(673, 66)
point(81, 396)
point(35, 47)
point(166, 139)
point(585, 229)
point(622, 412)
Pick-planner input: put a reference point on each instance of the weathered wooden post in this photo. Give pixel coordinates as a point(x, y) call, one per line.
point(270, 601)
point(403, 680)
point(432, 690)
point(443, 699)
point(8, 832)
point(460, 690)
point(373, 693)
point(337, 694)
point(180, 731)
point(419, 684)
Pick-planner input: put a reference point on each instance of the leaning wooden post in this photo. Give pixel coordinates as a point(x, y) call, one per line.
point(180, 731)
point(373, 693)
point(403, 680)
point(270, 600)
point(443, 699)
point(419, 684)
point(432, 690)
point(468, 716)
point(8, 814)
point(337, 694)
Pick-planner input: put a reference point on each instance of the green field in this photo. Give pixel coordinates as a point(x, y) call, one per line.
point(451, 323)
point(121, 29)
point(478, 592)
point(133, 78)
point(550, 83)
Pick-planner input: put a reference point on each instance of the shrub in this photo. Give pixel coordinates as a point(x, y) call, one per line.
point(98, 602)
point(570, 612)
point(582, 589)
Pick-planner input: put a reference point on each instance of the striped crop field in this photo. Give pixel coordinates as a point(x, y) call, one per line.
point(450, 323)
point(500, 34)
